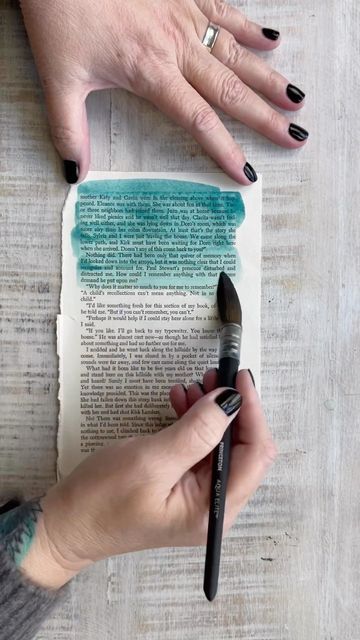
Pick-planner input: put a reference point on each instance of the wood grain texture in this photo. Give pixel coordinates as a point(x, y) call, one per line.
point(305, 519)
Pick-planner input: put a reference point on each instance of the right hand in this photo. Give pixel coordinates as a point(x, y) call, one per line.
point(154, 50)
point(152, 491)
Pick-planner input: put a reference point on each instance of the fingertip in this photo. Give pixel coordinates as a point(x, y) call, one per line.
point(244, 174)
point(287, 134)
point(178, 399)
point(271, 37)
point(252, 377)
point(295, 106)
point(195, 392)
point(84, 164)
point(283, 101)
point(295, 97)
point(298, 135)
point(71, 171)
point(263, 44)
point(210, 380)
point(250, 173)
point(253, 35)
point(245, 384)
point(177, 390)
point(199, 430)
point(229, 400)
point(251, 425)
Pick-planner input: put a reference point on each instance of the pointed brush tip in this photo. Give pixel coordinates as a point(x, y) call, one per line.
point(210, 593)
point(228, 302)
point(223, 281)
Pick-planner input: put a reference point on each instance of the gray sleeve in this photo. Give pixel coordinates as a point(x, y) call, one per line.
point(23, 606)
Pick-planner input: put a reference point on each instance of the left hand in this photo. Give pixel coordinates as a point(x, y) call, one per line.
point(154, 49)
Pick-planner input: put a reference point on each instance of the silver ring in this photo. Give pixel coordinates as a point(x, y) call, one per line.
point(210, 37)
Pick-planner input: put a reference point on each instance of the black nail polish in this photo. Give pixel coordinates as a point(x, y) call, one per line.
point(298, 133)
point(250, 172)
point(270, 34)
point(294, 93)
point(201, 386)
point(229, 401)
point(252, 377)
point(71, 171)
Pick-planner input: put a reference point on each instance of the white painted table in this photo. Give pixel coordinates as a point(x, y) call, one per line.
point(305, 520)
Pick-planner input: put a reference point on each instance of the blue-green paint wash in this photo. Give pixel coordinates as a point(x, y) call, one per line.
point(155, 233)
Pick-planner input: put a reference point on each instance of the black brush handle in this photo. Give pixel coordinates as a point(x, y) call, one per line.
point(228, 368)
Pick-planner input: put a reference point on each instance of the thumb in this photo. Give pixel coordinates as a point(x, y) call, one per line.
point(70, 131)
point(198, 431)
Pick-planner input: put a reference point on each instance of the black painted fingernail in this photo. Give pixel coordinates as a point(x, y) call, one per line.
point(298, 133)
point(201, 386)
point(71, 171)
point(229, 401)
point(250, 172)
point(294, 93)
point(270, 34)
point(252, 377)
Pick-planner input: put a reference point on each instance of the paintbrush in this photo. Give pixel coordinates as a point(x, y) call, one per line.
point(229, 357)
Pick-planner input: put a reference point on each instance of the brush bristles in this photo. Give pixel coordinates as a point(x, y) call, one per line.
point(227, 301)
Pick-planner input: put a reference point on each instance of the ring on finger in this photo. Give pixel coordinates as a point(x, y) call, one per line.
point(210, 36)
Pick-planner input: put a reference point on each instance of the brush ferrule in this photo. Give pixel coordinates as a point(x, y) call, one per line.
point(230, 341)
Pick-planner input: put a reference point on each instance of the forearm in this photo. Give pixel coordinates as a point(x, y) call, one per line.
point(29, 577)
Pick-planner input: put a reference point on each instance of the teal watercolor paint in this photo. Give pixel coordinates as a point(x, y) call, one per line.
point(17, 529)
point(155, 233)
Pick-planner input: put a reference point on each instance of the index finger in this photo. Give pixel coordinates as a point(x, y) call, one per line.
point(253, 452)
point(250, 426)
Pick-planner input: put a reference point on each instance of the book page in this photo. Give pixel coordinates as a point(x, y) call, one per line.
point(141, 257)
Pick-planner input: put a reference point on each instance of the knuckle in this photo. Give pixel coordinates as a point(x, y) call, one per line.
point(148, 75)
point(245, 22)
point(274, 121)
point(205, 120)
point(221, 8)
point(273, 79)
point(203, 432)
point(232, 91)
point(63, 135)
point(236, 53)
point(145, 79)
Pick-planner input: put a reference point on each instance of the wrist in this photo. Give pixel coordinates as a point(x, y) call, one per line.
point(24, 537)
point(52, 559)
point(42, 564)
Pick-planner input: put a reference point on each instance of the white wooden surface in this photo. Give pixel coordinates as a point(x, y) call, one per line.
point(306, 517)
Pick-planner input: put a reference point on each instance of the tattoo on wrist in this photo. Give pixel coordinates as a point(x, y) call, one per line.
point(17, 529)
